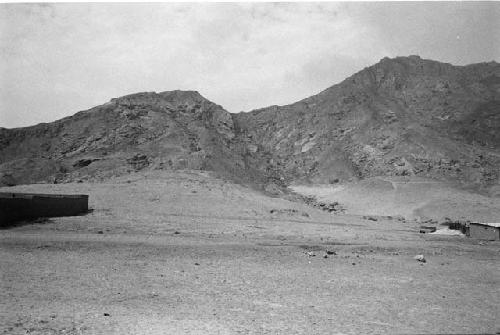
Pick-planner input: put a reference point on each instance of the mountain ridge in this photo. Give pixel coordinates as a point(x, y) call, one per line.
point(404, 116)
point(391, 100)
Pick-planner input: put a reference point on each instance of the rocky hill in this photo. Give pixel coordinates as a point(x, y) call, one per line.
point(400, 117)
point(168, 130)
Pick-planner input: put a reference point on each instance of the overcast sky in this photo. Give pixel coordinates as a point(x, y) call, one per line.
point(58, 59)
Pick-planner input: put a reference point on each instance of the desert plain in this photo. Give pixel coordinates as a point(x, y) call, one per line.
point(187, 252)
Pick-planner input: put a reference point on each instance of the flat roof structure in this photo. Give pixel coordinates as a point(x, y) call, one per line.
point(491, 224)
point(484, 230)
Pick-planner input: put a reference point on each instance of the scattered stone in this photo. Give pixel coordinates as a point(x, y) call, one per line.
point(273, 189)
point(427, 229)
point(288, 211)
point(84, 162)
point(138, 161)
point(460, 225)
point(334, 207)
point(420, 258)
point(330, 252)
point(310, 254)
point(400, 218)
point(325, 256)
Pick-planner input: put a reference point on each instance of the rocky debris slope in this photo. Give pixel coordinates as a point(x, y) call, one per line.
point(400, 117)
point(169, 130)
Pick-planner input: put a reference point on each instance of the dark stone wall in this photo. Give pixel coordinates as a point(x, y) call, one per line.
point(12, 210)
point(24, 206)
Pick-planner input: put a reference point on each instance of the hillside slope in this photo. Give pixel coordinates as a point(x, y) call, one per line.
point(169, 130)
point(400, 117)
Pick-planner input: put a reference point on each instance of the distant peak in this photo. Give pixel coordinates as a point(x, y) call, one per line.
point(180, 94)
point(136, 95)
point(172, 96)
point(410, 58)
point(413, 64)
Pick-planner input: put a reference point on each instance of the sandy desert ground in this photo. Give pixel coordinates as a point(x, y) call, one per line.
point(413, 198)
point(186, 253)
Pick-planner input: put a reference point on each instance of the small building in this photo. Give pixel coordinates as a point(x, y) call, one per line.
point(484, 231)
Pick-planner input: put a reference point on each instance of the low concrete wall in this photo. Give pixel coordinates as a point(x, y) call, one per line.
point(23, 206)
point(484, 232)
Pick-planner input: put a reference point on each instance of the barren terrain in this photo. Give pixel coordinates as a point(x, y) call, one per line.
point(187, 253)
point(414, 198)
point(401, 117)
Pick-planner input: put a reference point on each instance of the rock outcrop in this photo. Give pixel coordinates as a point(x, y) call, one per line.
point(400, 117)
point(168, 130)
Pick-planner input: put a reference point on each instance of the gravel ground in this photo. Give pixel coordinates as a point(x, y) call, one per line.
point(185, 253)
